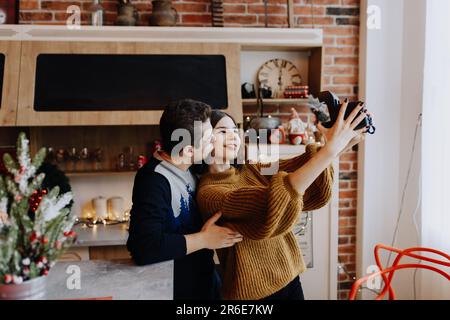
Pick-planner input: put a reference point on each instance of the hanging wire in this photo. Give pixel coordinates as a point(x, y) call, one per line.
point(402, 203)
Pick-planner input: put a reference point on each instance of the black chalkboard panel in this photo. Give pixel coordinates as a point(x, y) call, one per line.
point(105, 82)
point(2, 72)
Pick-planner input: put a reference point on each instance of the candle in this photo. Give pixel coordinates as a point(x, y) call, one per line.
point(115, 206)
point(100, 208)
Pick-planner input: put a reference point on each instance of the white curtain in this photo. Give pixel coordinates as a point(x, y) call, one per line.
point(436, 144)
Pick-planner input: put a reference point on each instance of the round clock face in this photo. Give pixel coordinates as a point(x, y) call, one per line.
point(277, 74)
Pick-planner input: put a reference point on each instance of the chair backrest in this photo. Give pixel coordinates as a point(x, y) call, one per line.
point(388, 273)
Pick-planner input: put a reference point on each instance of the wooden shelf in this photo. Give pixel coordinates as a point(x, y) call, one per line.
point(275, 101)
point(99, 173)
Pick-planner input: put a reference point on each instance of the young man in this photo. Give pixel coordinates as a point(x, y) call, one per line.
point(165, 223)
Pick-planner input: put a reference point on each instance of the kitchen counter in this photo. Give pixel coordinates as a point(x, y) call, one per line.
point(101, 235)
point(119, 280)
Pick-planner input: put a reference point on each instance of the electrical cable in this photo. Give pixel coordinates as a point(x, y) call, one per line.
point(400, 212)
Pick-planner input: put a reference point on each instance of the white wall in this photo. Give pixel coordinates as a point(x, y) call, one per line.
point(436, 151)
point(391, 83)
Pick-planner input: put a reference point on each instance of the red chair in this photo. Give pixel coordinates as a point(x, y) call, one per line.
point(388, 273)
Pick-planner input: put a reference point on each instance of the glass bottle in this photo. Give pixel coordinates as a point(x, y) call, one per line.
point(97, 13)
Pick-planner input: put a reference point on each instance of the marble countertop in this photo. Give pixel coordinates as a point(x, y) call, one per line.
point(117, 280)
point(101, 235)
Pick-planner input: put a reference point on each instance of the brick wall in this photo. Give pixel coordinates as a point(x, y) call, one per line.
point(340, 22)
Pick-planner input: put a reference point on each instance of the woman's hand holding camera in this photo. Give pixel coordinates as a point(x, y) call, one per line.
point(338, 139)
point(342, 135)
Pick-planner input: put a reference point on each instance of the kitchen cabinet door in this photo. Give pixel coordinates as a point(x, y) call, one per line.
point(128, 83)
point(9, 81)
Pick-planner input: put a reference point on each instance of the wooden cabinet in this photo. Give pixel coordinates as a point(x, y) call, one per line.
point(9, 82)
point(30, 115)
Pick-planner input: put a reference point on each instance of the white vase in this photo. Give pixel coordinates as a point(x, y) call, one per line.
point(33, 289)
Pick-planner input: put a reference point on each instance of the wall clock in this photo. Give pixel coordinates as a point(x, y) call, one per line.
point(277, 74)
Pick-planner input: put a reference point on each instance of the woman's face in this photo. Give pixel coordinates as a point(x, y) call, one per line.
point(226, 141)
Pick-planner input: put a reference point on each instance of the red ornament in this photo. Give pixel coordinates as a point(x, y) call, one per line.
point(141, 161)
point(69, 234)
point(36, 199)
point(43, 259)
point(7, 278)
point(44, 240)
point(44, 272)
point(33, 237)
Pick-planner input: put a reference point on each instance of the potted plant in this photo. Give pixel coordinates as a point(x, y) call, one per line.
point(35, 225)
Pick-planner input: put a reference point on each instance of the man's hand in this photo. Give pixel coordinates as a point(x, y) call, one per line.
point(212, 236)
point(216, 237)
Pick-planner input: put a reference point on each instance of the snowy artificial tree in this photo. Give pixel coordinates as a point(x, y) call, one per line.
point(35, 225)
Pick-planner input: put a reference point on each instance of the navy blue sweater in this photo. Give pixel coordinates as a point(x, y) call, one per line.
point(163, 211)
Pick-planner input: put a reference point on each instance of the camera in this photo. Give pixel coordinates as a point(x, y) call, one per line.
point(333, 104)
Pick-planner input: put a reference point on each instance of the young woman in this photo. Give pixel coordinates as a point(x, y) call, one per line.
point(264, 209)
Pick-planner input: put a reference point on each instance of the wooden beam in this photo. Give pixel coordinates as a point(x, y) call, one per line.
point(290, 9)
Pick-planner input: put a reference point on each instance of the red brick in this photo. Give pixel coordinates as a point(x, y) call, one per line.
point(354, 40)
point(351, 2)
point(345, 80)
point(36, 16)
point(231, 8)
point(344, 166)
point(196, 18)
point(347, 231)
point(343, 240)
point(306, 10)
point(347, 249)
point(349, 156)
point(191, 7)
point(346, 60)
point(343, 184)
point(323, 2)
point(315, 20)
point(58, 5)
point(29, 4)
point(341, 31)
point(272, 20)
point(347, 212)
point(336, 70)
point(347, 194)
point(341, 51)
point(241, 19)
point(271, 9)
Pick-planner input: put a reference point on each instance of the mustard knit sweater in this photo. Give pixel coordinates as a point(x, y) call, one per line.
point(264, 210)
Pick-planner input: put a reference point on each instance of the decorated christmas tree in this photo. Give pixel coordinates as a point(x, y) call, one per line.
point(35, 223)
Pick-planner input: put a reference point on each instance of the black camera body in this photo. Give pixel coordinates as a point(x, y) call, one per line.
point(334, 106)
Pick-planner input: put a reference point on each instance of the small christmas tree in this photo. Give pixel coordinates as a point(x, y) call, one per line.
point(35, 225)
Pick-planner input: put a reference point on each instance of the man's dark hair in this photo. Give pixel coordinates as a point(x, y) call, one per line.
point(181, 114)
